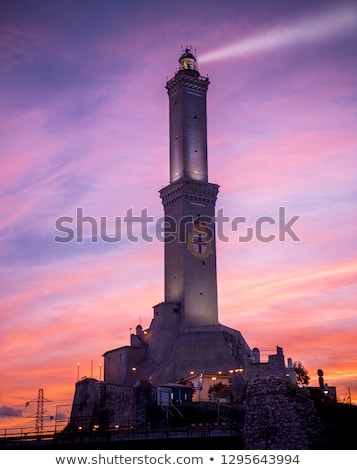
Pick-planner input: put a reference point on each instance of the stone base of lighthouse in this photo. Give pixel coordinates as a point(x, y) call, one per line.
point(165, 353)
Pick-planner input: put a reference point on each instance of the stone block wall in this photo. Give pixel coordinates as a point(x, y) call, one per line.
point(280, 416)
point(98, 404)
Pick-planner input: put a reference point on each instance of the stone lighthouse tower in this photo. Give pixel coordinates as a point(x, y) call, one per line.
point(189, 201)
point(185, 334)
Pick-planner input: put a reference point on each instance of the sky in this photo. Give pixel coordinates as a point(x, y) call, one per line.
point(84, 127)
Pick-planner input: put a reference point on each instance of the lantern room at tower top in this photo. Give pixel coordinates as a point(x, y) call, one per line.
point(188, 61)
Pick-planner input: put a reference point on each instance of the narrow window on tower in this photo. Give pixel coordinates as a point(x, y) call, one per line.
point(195, 116)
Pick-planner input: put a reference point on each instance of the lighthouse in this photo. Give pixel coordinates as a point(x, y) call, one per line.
point(189, 201)
point(185, 334)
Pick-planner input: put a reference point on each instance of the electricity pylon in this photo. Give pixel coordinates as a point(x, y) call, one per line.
point(40, 400)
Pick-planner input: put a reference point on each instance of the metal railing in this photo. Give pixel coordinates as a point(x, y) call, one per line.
point(21, 437)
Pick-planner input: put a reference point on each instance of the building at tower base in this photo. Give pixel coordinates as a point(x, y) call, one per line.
point(163, 353)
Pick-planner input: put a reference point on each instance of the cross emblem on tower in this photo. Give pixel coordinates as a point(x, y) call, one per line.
point(198, 240)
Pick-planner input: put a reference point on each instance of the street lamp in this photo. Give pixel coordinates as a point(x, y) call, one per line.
point(78, 364)
point(133, 370)
point(100, 372)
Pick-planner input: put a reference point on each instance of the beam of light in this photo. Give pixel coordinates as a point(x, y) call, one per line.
point(319, 27)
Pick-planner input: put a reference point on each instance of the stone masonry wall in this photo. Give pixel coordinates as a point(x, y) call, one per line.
point(100, 404)
point(280, 416)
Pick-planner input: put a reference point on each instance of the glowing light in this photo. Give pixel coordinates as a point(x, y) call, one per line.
point(319, 27)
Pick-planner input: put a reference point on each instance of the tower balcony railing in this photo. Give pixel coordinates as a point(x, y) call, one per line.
point(184, 79)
